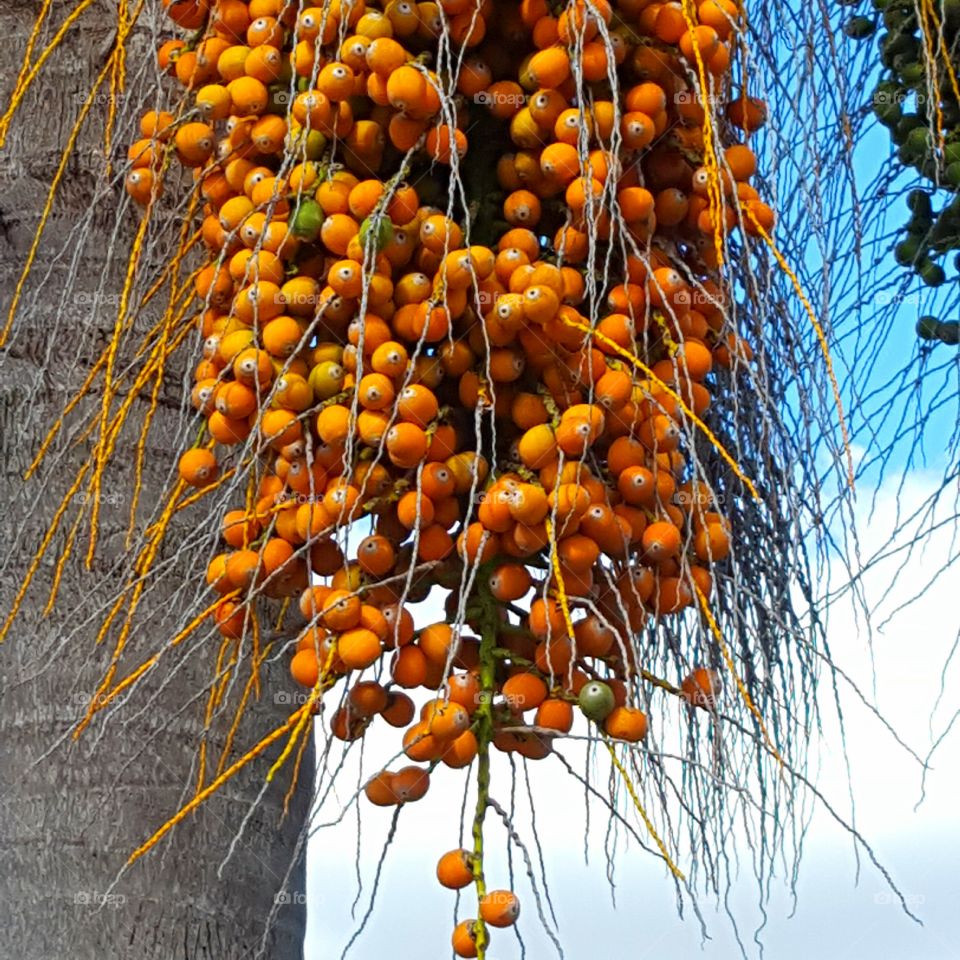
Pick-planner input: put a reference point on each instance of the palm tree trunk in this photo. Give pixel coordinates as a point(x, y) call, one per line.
point(72, 812)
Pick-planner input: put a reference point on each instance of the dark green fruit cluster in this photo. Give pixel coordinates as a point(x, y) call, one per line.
point(930, 328)
point(903, 102)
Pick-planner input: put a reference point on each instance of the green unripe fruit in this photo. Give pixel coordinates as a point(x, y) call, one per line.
point(376, 229)
point(951, 12)
point(944, 229)
point(596, 701)
point(899, 19)
point(907, 251)
point(949, 332)
point(908, 123)
point(907, 156)
point(898, 45)
point(912, 72)
point(918, 139)
point(887, 90)
point(307, 219)
point(889, 114)
point(918, 202)
point(927, 328)
point(326, 379)
point(951, 114)
point(886, 100)
point(859, 28)
point(314, 145)
point(931, 273)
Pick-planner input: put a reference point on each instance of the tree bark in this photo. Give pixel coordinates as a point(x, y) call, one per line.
point(72, 812)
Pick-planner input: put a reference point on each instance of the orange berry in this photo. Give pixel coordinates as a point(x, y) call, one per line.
point(661, 541)
point(509, 581)
point(524, 691)
point(399, 709)
point(626, 723)
point(464, 939)
point(410, 784)
point(448, 721)
point(409, 667)
point(499, 908)
point(304, 668)
point(198, 467)
point(358, 648)
point(379, 789)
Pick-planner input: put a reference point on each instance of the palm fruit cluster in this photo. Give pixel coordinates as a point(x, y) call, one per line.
point(496, 406)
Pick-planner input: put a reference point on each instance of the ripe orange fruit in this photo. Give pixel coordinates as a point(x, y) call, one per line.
point(464, 939)
point(198, 467)
point(500, 908)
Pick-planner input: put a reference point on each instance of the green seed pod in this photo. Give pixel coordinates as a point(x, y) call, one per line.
point(927, 328)
point(307, 219)
point(951, 151)
point(859, 28)
point(596, 701)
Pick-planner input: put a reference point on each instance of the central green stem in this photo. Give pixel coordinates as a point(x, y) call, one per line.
point(484, 734)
